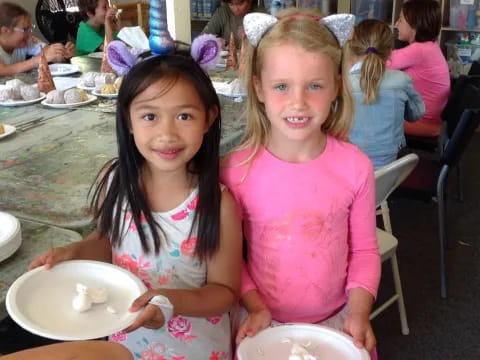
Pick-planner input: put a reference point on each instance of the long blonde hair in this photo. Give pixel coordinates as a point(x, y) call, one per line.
point(305, 31)
point(374, 39)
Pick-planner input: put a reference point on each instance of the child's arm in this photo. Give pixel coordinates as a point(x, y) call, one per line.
point(53, 53)
point(357, 322)
point(259, 316)
point(223, 278)
point(110, 24)
point(404, 58)
point(364, 259)
point(93, 247)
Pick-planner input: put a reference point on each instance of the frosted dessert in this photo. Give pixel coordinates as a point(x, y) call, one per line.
point(82, 301)
point(6, 94)
point(55, 97)
point(86, 297)
point(73, 96)
point(118, 82)
point(29, 92)
point(108, 89)
point(298, 352)
point(15, 86)
point(88, 79)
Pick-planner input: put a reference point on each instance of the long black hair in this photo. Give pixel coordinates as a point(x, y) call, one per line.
point(121, 182)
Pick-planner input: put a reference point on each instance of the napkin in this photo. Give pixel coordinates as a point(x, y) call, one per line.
point(232, 89)
point(135, 37)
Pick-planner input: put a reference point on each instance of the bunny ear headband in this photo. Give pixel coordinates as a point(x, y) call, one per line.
point(257, 24)
point(205, 50)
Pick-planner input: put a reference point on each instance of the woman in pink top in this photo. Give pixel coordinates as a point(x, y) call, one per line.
point(419, 24)
point(306, 195)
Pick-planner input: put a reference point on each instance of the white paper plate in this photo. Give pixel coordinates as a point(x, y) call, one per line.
point(91, 98)
point(96, 55)
point(107, 96)
point(23, 102)
point(63, 69)
point(323, 343)
point(10, 235)
point(41, 300)
point(9, 130)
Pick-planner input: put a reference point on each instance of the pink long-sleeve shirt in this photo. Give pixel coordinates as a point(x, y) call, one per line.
point(427, 66)
point(310, 229)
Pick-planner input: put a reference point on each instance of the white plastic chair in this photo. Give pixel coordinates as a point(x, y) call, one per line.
point(386, 181)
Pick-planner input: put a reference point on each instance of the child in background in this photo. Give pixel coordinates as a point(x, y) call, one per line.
point(163, 215)
point(228, 18)
point(419, 24)
point(17, 42)
point(312, 253)
point(101, 22)
point(383, 97)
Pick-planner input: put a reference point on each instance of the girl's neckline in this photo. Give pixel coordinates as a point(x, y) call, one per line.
point(191, 196)
point(304, 163)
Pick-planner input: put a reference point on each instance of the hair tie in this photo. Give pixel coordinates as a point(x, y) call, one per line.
point(371, 50)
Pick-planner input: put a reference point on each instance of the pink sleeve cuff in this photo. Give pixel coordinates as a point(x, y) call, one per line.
point(353, 285)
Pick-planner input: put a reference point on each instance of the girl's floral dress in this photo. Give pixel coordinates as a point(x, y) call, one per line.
point(175, 267)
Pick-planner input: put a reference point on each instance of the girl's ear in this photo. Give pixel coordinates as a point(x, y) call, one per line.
point(211, 117)
point(3, 30)
point(257, 84)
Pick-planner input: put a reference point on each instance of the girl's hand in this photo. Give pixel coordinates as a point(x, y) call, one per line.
point(254, 322)
point(151, 317)
point(53, 257)
point(359, 327)
point(110, 16)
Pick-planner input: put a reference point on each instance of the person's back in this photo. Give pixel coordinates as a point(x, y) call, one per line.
point(383, 98)
point(423, 60)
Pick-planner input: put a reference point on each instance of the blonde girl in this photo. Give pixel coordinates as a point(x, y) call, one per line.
point(306, 196)
point(383, 97)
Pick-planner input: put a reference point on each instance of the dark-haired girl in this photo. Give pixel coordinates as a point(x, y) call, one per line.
point(419, 24)
point(163, 215)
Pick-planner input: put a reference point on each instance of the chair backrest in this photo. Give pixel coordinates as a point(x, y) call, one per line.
point(391, 175)
point(135, 14)
point(58, 20)
point(464, 96)
point(462, 135)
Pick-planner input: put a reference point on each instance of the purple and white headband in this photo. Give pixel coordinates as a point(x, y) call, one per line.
point(257, 24)
point(205, 50)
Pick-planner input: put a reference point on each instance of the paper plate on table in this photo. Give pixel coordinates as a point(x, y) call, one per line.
point(91, 98)
point(96, 55)
point(320, 341)
point(10, 235)
point(9, 130)
point(23, 102)
point(63, 69)
point(107, 96)
point(40, 300)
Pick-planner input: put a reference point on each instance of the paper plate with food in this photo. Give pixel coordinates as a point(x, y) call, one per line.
point(70, 98)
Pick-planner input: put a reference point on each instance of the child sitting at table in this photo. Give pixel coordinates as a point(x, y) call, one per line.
point(17, 42)
point(383, 97)
point(419, 24)
point(228, 19)
point(101, 23)
point(312, 230)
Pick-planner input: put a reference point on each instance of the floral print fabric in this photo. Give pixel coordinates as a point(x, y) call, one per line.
point(175, 267)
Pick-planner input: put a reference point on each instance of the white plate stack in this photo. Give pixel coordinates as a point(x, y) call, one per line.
point(10, 235)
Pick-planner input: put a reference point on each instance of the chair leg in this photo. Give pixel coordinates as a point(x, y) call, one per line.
point(460, 197)
point(386, 217)
point(441, 228)
point(398, 289)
